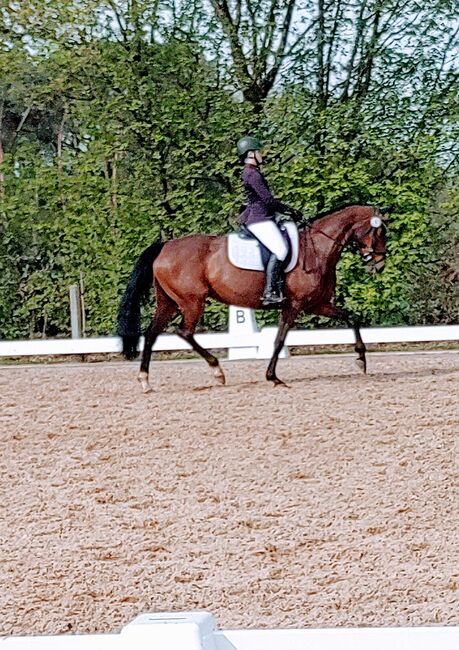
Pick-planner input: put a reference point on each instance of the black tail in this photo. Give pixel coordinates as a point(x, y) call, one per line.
point(137, 293)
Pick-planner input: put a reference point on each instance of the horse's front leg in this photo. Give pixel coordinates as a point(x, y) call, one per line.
point(330, 311)
point(286, 321)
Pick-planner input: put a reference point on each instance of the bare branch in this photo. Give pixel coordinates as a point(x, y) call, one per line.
point(396, 10)
point(254, 29)
point(320, 55)
point(360, 30)
point(367, 61)
point(291, 50)
point(449, 44)
point(270, 27)
point(223, 13)
point(22, 121)
point(119, 20)
point(285, 29)
point(237, 20)
point(270, 77)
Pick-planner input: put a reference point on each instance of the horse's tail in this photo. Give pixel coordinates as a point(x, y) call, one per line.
point(137, 293)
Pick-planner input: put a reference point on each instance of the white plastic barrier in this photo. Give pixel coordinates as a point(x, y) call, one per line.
point(197, 631)
point(243, 341)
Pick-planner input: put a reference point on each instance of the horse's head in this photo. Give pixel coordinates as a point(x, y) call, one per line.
point(369, 235)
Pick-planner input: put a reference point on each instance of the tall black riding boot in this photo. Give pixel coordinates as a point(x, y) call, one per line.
point(272, 294)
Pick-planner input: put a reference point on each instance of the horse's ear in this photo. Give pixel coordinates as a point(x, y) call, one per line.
point(387, 209)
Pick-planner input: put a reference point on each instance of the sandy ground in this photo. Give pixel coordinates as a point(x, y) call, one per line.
point(332, 503)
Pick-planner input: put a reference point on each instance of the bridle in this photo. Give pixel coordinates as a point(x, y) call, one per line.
point(368, 254)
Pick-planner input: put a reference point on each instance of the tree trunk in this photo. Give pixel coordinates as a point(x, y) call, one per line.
point(2, 155)
point(321, 99)
point(111, 176)
point(114, 183)
point(60, 140)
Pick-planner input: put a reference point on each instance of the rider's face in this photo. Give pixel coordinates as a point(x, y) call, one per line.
point(258, 156)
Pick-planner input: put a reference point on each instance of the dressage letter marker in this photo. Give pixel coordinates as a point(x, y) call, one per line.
point(240, 316)
point(241, 323)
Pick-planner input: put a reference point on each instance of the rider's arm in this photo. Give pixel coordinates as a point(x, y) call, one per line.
point(260, 186)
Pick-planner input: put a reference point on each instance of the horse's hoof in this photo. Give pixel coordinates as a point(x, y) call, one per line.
point(219, 376)
point(279, 382)
point(143, 380)
point(362, 365)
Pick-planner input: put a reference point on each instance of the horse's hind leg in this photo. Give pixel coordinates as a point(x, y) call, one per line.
point(166, 308)
point(191, 315)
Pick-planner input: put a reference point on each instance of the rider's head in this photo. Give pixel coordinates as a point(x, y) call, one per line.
point(248, 150)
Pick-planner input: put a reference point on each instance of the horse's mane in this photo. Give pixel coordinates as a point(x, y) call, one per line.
point(336, 208)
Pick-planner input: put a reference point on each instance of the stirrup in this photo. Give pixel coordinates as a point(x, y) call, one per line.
point(272, 298)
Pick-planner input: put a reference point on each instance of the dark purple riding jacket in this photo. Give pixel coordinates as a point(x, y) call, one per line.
point(261, 204)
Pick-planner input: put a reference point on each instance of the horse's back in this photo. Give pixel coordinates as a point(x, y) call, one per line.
point(189, 248)
point(187, 257)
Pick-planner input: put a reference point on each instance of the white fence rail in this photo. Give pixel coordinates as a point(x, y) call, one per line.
point(197, 631)
point(243, 340)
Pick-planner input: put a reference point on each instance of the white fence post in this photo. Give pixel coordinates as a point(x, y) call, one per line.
point(75, 311)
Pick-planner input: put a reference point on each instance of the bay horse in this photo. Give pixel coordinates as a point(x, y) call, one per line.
point(187, 271)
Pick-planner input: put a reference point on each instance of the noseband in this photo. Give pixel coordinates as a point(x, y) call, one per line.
point(370, 252)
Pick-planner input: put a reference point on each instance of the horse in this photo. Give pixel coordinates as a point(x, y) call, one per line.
point(187, 271)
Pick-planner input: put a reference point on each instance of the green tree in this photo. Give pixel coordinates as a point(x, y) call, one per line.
point(118, 120)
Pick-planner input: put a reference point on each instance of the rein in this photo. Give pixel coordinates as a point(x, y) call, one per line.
point(307, 224)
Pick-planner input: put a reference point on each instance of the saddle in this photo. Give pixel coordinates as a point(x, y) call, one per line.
point(246, 252)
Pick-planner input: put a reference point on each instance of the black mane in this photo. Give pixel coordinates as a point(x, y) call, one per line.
point(336, 208)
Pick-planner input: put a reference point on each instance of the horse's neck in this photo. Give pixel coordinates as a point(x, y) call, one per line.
point(330, 234)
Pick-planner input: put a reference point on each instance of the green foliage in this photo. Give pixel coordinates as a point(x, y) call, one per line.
point(118, 129)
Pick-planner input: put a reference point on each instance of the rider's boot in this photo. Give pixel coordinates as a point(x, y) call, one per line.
point(272, 294)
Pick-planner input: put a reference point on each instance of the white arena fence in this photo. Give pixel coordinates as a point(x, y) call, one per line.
point(197, 631)
point(243, 340)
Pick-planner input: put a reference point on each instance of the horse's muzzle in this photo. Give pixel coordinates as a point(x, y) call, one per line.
point(374, 266)
point(379, 266)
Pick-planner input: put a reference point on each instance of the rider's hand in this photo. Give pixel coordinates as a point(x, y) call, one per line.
point(296, 215)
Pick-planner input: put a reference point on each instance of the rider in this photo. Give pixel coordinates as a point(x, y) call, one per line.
point(259, 216)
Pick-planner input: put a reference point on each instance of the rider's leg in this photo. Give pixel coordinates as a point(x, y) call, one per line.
point(273, 289)
point(269, 235)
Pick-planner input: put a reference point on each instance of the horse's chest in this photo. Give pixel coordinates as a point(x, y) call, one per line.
point(314, 285)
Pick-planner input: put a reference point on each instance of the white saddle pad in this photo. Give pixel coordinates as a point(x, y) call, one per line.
point(246, 254)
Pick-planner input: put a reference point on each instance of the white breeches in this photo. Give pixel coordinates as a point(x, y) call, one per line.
point(269, 235)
